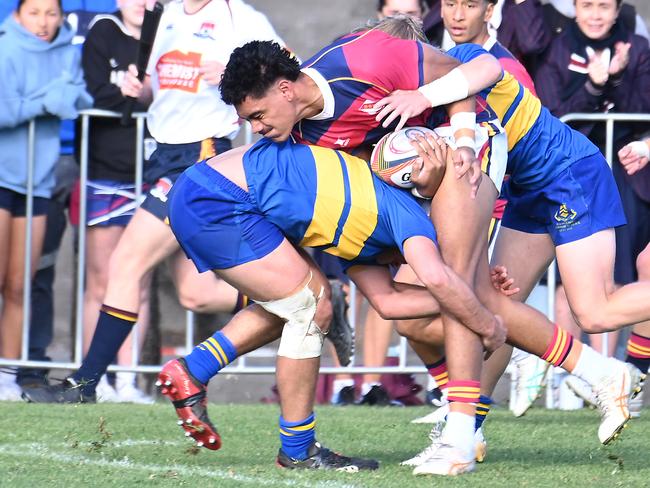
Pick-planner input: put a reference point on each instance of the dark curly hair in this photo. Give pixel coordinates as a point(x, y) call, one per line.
point(253, 68)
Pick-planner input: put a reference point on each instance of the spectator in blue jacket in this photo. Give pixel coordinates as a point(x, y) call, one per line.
point(42, 80)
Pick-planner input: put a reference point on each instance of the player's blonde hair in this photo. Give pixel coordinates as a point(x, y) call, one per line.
point(401, 26)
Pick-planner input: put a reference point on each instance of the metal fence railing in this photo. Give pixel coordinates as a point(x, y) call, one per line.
point(241, 366)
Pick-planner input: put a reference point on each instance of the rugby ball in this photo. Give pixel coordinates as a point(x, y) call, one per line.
point(393, 156)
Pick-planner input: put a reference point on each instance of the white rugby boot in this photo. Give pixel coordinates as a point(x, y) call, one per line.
point(480, 445)
point(438, 415)
point(447, 460)
point(582, 389)
point(613, 393)
point(435, 437)
point(530, 378)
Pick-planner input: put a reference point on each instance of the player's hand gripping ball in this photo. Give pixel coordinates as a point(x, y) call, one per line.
point(393, 156)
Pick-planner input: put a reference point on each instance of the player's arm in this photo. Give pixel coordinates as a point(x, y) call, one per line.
point(453, 294)
point(446, 81)
point(392, 300)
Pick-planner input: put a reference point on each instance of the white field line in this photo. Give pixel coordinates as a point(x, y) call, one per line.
point(41, 451)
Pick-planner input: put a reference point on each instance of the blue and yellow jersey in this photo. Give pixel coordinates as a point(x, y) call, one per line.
point(330, 200)
point(539, 145)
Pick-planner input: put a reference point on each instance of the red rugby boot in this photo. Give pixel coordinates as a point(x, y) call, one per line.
point(189, 398)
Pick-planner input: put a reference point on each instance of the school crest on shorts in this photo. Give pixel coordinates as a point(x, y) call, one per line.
point(565, 218)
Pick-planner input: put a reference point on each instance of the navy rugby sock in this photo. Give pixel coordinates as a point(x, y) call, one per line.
point(113, 327)
point(482, 409)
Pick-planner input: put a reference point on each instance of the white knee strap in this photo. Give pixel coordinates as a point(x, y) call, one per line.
point(301, 338)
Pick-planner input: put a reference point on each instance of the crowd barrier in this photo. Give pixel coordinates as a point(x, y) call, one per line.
point(240, 366)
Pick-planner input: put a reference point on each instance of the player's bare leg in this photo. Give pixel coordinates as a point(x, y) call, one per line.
point(526, 256)
point(586, 266)
point(462, 247)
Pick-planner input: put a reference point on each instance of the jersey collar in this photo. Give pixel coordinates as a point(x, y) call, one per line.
point(326, 91)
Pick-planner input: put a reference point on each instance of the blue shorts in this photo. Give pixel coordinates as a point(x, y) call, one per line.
point(16, 203)
point(580, 201)
point(108, 203)
point(216, 223)
point(167, 163)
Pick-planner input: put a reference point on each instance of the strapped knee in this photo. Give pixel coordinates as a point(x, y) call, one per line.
point(301, 338)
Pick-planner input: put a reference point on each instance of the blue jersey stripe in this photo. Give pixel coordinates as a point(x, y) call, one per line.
point(513, 106)
point(346, 207)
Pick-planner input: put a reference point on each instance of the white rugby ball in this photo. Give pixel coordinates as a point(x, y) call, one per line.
point(393, 156)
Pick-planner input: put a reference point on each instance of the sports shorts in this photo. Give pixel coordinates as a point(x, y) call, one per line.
point(216, 222)
point(108, 203)
point(16, 203)
point(167, 163)
point(580, 201)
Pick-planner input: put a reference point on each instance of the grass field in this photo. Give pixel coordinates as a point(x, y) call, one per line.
point(124, 445)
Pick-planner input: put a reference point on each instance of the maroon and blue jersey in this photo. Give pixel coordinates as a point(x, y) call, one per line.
point(355, 72)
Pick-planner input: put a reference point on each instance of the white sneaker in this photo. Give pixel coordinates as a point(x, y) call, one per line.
point(448, 460)
point(582, 389)
point(613, 393)
point(438, 415)
point(531, 378)
point(127, 392)
point(105, 392)
point(480, 445)
point(9, 389)
point(435, 435)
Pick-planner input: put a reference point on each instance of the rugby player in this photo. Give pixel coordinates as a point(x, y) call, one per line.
point(323, 111)
point(238, 215)
point(560, 179)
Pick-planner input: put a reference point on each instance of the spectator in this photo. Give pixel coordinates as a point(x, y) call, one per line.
point(597, 65)
point(78, 14)
point(559, 14)
point(517, 24)
point(51, 90)
point(387, 8)
point(190, 122)
point(110, 46)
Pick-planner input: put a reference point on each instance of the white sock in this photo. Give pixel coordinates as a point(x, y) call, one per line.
point(459, 431)
point(366, 387)
point(338, 385)
point(591, 366)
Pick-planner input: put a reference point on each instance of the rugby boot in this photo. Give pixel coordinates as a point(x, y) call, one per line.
point(189, 397)
point(531, 378)
point(435, 436)
point(581, 389)
point(480, 447)
point(613, 394)
point(438, 415)
point(340, 333)
point(68, 391)
point(320, 457)
point(448, 460)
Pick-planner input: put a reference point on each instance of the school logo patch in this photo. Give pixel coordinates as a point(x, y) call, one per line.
point(368, 106)
point(205, 31)
point(161, 189)
point(565, 218)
